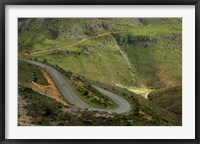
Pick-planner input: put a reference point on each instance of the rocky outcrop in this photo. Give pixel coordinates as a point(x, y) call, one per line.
point(132, 39)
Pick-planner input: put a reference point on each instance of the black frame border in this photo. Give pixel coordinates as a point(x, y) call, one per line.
point(3, 4)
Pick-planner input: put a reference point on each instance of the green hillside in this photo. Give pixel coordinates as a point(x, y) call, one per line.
point(154, 51)
point(153, 47)
point(28, 73)
point(47, 112)
point(169, 98)
point(118, 54)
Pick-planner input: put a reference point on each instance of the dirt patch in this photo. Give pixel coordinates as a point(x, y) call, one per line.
point(164, 79)
point(49, 90)
point(145, 116)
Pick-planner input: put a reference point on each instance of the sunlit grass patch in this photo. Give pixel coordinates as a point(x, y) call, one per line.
point(140, 90)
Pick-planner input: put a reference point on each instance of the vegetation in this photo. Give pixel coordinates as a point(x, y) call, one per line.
point(86, 92)
point(82, 88)
point(153, 47)
point(144, 54)
point(156, 63)
point(46, 111)
point(160, 115)
point(139, 90)
point(169, 98)
point(92, 60)
point(28, 73)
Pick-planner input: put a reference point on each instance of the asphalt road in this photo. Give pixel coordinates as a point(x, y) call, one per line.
point(71, 97)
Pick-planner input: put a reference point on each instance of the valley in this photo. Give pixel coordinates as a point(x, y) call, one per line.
point(123, 70)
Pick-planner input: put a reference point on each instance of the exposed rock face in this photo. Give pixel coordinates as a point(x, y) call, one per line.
point(120, 40)
point(132, 39)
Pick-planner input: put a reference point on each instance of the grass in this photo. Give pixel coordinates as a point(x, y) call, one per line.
point(161, 21)
point(53, 44)
point(34, 33)
point(169, 98)
point(153, 56)
point(47, 112)
point(154, 50)
point(149, 30)
point(43, 109)
point(140, 90)
point(100, 63)
point(33, 73)
point(94, 99)
point(160, 115)
point(28, 73)
point(157, 65)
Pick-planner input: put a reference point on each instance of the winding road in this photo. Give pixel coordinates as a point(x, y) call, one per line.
point(68, 93)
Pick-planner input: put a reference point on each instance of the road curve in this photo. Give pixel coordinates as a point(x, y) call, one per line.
point(71, 97)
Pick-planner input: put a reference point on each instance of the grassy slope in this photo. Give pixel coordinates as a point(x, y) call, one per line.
point(160, 115)
point(156, 65)
point(52, 33)
point(94, 60)
point(86, 94)
point(154, 52)
point(43, 110)
point(46, 111)
point(169, 98)
point(28, 73)
point(156, 62)
point(160, 21)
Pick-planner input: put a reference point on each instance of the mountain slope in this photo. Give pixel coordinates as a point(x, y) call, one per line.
point(117, 54)
point(169, 98)
point(152, 46)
